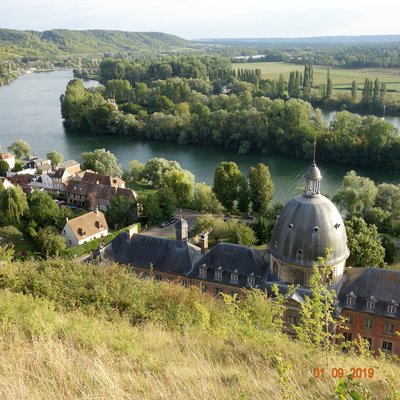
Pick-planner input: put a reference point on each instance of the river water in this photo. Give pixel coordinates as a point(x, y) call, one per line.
point(30, 110)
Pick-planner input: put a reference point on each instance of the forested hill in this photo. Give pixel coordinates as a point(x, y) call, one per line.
point(326, 40)
point(88, 42)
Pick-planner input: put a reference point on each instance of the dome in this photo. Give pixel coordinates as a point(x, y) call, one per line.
point(313, 173)
point(306, 227)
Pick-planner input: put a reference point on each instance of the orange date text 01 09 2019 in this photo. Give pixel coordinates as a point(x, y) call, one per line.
point(341, 372)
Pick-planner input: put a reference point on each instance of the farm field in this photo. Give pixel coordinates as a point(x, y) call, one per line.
point(341, 78)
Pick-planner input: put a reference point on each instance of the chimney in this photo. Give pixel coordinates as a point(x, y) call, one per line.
point(97, 211)
point(204, 242)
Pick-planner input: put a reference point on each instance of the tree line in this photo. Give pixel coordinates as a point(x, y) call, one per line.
point(236, 114)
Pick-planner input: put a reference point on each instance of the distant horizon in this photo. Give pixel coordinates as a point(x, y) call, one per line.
point(212, 37)
point(191, 19)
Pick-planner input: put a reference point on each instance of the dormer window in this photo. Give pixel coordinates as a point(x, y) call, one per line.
point(337, 225)
point(351, 299)
point(316, 229)
point(235, 276)
point(203, 271)
point(218, 273)
point(251, 280)
point(391, 308)
point(371, 303)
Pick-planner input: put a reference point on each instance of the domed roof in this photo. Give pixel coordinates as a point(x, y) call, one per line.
point(307, 226)
point(313, 173)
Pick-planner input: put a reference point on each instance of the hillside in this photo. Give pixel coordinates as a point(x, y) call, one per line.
point(320, 40)
point(61, 42)
point(71, 331)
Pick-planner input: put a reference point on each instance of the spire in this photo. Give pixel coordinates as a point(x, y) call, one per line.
point(313, 178)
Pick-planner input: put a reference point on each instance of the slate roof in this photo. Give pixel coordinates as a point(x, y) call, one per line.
point(141, 250)
point(88, 224)
point(231, 259)
point(305, 229)
point(362, 283)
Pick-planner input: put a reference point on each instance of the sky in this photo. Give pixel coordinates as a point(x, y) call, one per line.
point(194, 19)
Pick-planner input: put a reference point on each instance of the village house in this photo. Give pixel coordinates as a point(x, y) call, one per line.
point(9, 159)
point(96, 191)
point(85, 228)
point(38, 165)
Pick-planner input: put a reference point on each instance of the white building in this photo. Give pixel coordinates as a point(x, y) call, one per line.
point(8, 158)
point(85, 228)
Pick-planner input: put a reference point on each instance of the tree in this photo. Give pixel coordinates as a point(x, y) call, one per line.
point(261, 188)
point(357, 195)
point(20, 148)
point(156, 168)
point(317, 326)
point(159, 206)
point(205, 200)
point(182, 185)
point(227, 181)
point(243, 198)
point(101, 161)
point(390, 250)
point(9, 234)
point(55, 157)
point(136, 169)
point(365, 247)
point(4, 167)
point(121, 212)
point(49, 242)
point(43, 210)
point(353, 91)
point(329, 87)
point(263, 230)
point(13, 205)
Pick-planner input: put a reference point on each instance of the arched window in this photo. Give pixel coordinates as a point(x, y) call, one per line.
point(298, 278)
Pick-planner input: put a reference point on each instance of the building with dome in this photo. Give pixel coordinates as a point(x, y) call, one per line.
point(309, 224)
point(307, 227)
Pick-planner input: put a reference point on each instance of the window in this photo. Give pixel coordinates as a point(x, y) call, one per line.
point(218, 273)
point(350, 301)
point(298, 278)
point(369, 340)
point(203, 271)
point(348, 319)
point(204, 288)
point(368, 323)
point(158, 278)
point(371, 304)
point(184, 284)
point(347, 336)
point(218, 290)
point(387, 346)
point(391, 308)
point(389, 328)
point(275, 268)
point(234, 277)
point(251, 280)
point(291, 320)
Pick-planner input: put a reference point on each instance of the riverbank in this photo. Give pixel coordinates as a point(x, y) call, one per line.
point(31, 111)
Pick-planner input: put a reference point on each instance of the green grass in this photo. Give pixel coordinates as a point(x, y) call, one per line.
point(340, 77)
point(26, 246)
point(141, 188)
point(88, 247)
point(79, 331)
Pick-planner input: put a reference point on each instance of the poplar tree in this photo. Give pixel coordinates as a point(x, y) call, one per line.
point(328, 84)
point(353, 91)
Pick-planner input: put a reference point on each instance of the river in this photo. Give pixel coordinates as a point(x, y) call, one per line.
point(30, 110)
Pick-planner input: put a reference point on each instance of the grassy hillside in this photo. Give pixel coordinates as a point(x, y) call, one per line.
point(71, 331)
point(60, 42)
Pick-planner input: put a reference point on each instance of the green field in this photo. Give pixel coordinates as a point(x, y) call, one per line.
point(341, 78)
